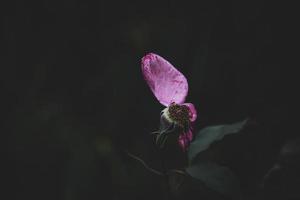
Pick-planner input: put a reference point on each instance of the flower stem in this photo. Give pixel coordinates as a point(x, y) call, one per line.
point(145, 164)
point(165, 172)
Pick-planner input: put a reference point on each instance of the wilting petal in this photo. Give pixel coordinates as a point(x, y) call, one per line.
point(182, 142)
point(189, 135)
point(185, 139)
point(193, 111)
point(165, 81)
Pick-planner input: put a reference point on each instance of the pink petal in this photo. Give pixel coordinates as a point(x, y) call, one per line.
point(189, 135)
point(165, 81)
point(182, 142)
point(185, 139)
point(193, 111)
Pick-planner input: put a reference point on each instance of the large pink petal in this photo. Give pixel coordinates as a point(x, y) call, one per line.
point(193, 111)
point(165, 81)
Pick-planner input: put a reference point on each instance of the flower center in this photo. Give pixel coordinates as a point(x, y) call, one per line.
point(179, 114)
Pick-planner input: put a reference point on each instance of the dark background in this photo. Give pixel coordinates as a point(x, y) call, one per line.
point(73, 99)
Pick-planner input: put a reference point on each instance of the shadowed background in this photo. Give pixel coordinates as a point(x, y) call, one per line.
point(74, 101)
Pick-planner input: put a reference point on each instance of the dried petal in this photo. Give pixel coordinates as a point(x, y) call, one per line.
point(165, 81)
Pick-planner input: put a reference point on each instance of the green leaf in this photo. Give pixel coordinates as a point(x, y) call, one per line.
point(211, 134)
point(216, 177)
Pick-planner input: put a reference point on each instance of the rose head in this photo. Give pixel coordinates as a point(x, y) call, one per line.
point(170, 87)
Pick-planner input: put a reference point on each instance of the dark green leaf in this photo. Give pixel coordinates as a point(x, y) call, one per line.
point(211, 134)
point(218, 178)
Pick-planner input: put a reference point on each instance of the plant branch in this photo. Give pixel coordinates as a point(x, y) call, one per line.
point(145, 164)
